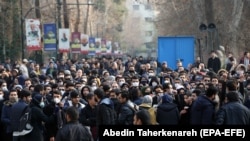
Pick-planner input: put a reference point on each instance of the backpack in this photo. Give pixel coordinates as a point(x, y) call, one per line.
point(25, 126)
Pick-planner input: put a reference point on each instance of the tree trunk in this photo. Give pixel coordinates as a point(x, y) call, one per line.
point(77, 16)
point(234, 26)
point(37, 9)
point(65, 14)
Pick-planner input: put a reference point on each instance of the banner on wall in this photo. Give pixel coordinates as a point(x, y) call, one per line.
point(109, 47)
point(75, 42)
point(103, 46)
point(64, 40)
point(116, 48)
point(84, 44)
point(98, 45)
point(92, 46)
point(49, 39)
point(33, 34)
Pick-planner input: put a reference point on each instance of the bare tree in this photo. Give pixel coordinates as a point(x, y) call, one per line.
point(77, 16)
point(37, 9)
point(65, 14)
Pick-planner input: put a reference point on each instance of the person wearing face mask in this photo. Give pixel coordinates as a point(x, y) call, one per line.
point(144, 81)
point(93, 86)
point(38, 117)
point(154, 81)
point(131, 72)
point(17, 109)
point(114, 97)
point(6, 111)
point(121, 81)
point(135, 82)
point(55, 108)
point(150, 74)
point(146, 90)
point(68, 88)
point(61, 88)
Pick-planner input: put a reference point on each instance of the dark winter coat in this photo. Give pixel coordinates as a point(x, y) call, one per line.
point(73, 131)
point(202, 111)
point(167, 114)
point(233, 113)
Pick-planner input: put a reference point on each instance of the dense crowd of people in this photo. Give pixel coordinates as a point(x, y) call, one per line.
point(70, 99)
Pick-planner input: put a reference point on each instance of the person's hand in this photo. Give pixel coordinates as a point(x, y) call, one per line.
point(52, 139)
point(183, 112)
point(242, 78)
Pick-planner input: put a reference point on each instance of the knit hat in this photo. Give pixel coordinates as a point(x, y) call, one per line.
point(67, 72)
point(18, 86)
point(167, 99)
point(147, 99)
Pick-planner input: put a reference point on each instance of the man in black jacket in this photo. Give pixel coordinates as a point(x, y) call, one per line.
point(233, 112)
point(73, 130)
point(17, 109)
point(55, 107)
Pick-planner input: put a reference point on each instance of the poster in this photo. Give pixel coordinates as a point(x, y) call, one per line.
point(33, 34)
point(92, 48)
point(64, 40)
point(75, 42)
point(49, 38)
point(84, 44)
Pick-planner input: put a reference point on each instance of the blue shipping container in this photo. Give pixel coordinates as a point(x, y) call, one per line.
point(175, 48)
